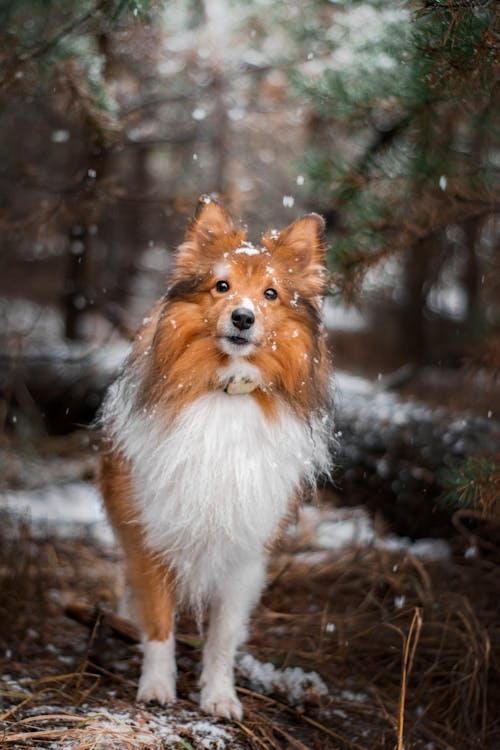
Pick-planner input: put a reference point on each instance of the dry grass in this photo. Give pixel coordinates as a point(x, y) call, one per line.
point(410, 653)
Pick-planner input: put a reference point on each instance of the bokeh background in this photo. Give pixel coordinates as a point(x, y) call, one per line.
point(382, 116)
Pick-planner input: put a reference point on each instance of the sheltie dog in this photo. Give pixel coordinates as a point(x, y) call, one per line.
point(215, 429)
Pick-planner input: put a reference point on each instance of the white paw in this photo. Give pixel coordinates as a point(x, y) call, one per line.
point(156, 688)
point(222, 703)
point(158, 674)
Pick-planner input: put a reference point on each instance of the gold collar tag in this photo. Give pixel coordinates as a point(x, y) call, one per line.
point(237, 387)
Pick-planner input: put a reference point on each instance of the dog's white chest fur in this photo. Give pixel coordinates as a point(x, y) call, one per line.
point(214, 486)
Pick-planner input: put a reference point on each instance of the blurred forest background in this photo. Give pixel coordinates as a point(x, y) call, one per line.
point(383, 115)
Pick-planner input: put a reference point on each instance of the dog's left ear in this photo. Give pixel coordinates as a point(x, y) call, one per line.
point(301, 244)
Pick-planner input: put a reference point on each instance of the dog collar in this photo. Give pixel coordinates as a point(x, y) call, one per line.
point(238, 386)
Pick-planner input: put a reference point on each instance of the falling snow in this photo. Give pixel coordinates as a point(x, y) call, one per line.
point(198, 114)
point(60, 136)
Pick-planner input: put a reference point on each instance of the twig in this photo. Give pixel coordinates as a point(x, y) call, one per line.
point(251, 734)
point(38, 734)
point(15, 708)
point(50, 717)
point(112, 675)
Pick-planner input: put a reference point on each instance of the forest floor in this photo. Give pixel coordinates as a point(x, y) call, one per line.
point(362, 640)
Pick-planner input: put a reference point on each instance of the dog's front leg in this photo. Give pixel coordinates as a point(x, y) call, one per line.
point(229, 614)
point(153, 595)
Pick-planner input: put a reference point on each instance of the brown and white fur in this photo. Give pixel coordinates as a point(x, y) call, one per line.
point(217, 425)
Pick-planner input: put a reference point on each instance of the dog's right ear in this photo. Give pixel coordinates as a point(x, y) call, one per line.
point(211, 222)
point(210, 231)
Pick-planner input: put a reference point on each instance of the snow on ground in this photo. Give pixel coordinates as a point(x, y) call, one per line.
point(76, 507)
point(336, 317)
point(169, 727)
point(66, 510)
point(292, 682)
point(334, 529)
point(135, 729)
point(382, 405)
point(40, 328)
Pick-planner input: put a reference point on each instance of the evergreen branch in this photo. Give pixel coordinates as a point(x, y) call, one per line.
point(158, 102)
point(475, 484)
point(354, 265)
point(456, 4)
point(42, 49)
point(383, 139)
point(47, 46)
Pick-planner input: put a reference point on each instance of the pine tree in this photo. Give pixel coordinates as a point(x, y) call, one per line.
point(56, 85)
point(403, 153)
point(404, 163)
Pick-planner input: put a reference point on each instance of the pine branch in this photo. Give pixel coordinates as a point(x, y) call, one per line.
point(47, 46)
point(474, 484)
point(382, 140)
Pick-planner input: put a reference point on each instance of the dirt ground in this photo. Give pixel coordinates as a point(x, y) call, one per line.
point(405, 652)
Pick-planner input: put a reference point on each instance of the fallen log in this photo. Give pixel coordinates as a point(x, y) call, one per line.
point(99, 618)
point(60, 386)
point(94, 617)
point(390, 453)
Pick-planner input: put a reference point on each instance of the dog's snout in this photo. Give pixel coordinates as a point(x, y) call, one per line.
point(243, 318)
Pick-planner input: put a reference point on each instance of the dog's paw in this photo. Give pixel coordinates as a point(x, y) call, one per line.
point(223, 703)
point(159, 688)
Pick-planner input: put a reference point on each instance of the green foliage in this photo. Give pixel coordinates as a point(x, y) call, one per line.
point(411, 86)
point(454, 43)
point(44, 32)
point(474, 484)
point(31, 21)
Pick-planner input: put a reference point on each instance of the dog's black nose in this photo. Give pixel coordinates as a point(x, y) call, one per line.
point(243, 318)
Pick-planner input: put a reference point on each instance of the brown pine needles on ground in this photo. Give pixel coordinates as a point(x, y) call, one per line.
point(409, 651)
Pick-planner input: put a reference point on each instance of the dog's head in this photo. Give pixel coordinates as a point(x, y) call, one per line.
point(252, 301)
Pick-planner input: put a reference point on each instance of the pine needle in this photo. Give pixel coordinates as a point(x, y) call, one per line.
point(410, 647)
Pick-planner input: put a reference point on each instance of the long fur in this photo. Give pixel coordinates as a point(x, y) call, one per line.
point(197, 481)
point(213, 485)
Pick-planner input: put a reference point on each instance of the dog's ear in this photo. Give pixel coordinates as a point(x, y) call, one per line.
point(211, 223)
point(301, 245)
point(211, 231)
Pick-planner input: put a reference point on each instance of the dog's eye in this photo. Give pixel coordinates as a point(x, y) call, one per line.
point(270, 293)
point(222, 286)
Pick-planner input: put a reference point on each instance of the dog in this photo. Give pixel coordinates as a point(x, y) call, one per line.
point(218, 424)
